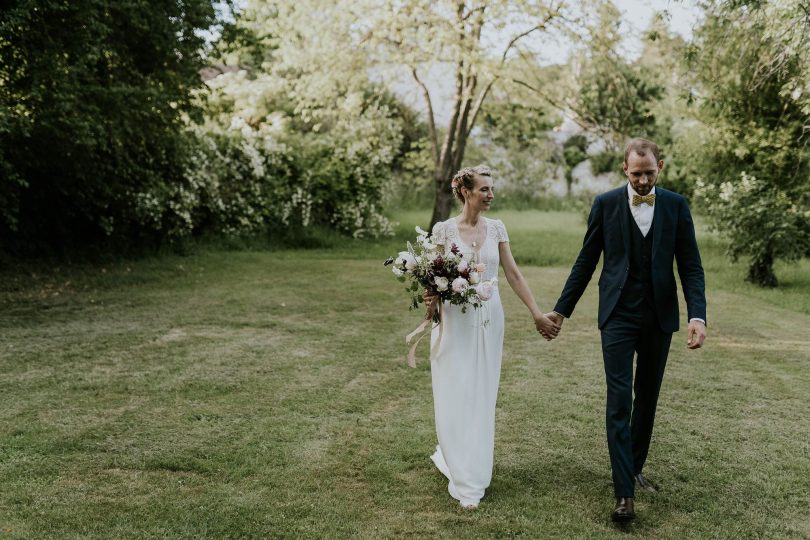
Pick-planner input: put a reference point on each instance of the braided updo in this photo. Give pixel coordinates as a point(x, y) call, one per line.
point(465, 178)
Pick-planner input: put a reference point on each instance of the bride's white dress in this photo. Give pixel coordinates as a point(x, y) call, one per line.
point(466, 367)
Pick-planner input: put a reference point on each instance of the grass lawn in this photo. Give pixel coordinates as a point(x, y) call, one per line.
point(254, 394)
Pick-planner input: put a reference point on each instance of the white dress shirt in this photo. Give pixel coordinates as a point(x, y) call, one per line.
point(643, 213)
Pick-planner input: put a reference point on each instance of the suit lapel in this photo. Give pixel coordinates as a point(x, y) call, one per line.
point(624, 219)
point(658, 225)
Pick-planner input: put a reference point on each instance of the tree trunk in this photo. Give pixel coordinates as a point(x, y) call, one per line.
point(443, 201)
point(760, 269)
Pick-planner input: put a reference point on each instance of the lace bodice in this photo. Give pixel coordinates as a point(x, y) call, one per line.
point(446, 233)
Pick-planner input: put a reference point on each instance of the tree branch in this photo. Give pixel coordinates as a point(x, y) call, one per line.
point(434, 141)
point(564, 106)
point(478, 103)
point(540, 26)
point(472, 12)
point(450, 136)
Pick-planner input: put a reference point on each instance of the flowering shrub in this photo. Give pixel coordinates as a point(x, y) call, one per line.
point(240, 180)
point(257, 161)
point(764, 221)
point(232, 184)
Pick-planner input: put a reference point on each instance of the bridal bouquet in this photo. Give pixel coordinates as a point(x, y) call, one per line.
point(451, 276)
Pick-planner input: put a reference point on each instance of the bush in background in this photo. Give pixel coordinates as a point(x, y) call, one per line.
point(93, 102)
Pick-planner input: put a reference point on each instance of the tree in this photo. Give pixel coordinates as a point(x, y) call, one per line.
point(752, 101)
point(604, 92)
point(611, 98)
point(574, 152)
point(295, 83)
point(512, 136)
point(451, 34)
point(93, 97)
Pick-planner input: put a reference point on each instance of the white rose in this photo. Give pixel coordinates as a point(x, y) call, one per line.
point(441, 283)
point(462, 266)
point(460, 285)
point(397, 272)
point(484, 290)
point(474, 277)
point(410, 260)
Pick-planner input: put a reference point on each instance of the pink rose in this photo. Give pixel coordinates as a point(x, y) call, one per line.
point(462, 266)
point(484, 290)
point(460, 285)
point(480, 268)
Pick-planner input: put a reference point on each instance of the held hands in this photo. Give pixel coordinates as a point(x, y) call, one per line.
point(556, 318)
point(696, 334)
point(546, 326)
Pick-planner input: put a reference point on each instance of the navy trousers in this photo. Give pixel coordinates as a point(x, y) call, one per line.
point(632, 330)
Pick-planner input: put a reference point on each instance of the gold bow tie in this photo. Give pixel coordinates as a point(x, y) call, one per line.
point(639, 199)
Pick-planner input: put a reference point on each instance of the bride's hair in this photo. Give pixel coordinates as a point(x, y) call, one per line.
point(465, 178)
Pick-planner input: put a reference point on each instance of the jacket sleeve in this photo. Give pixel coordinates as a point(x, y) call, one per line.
point(586, 262)
point(690, 269)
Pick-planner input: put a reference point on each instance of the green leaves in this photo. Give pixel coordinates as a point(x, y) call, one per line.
point(756, 165)
point(94, 96)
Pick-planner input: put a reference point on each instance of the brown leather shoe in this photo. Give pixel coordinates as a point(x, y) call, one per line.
point(624, 510)
point(645, 484)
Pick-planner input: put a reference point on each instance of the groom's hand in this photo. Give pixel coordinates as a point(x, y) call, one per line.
point(696, 334)
point(546, 327)
point(556, 318)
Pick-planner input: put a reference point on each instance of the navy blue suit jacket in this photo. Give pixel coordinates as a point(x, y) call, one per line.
point(673, 241)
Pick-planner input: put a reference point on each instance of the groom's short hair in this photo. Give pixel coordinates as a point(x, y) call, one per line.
point(641, 147)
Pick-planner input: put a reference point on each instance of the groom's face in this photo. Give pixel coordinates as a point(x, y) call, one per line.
point(642, 171)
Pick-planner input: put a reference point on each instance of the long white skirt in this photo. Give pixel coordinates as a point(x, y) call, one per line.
point(466, 368)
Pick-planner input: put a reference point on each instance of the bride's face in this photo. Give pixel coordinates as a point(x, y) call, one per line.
point(480, 197)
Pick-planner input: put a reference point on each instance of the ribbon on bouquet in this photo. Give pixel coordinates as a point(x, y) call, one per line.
point(425, 325)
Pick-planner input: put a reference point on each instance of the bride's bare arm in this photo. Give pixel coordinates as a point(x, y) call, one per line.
point(518, 283)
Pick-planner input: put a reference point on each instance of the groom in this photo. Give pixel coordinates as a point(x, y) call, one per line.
point(641, 230)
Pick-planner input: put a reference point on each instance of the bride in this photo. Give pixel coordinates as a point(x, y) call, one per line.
point(466, 347)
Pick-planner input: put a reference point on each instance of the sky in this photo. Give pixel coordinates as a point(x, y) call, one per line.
point(683, 17)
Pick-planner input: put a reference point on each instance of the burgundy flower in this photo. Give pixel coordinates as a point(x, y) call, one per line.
point(438, 264)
